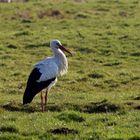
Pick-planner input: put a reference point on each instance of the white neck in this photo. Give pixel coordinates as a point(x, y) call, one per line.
point(61, 61)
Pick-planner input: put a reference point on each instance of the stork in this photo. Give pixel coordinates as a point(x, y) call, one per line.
point(44, 74)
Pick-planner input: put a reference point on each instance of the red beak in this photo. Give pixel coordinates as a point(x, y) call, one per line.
point(64, 49)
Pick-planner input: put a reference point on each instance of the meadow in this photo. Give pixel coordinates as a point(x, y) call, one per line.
point(99, 98)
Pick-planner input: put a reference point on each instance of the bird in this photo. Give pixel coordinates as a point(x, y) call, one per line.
point(44, 74)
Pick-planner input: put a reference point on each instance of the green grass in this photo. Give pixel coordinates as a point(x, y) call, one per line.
point(99, 97)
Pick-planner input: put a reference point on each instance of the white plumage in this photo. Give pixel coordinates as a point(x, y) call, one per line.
point(45, 73)
point(48, 68)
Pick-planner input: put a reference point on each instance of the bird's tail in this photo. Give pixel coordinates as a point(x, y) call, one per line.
point(28, 96)
point(32, 87)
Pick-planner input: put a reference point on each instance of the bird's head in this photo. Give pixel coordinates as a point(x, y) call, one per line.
point(56, 44)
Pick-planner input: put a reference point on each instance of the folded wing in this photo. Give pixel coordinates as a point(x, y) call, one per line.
point(41, 77)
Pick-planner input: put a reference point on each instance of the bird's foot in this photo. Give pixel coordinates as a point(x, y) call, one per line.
point(46, 110)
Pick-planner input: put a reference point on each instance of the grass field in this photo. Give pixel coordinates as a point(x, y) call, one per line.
point(99, 98)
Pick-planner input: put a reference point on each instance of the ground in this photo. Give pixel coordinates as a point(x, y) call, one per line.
point(99, 98)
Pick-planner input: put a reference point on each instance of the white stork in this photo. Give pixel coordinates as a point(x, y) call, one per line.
point(45, 73)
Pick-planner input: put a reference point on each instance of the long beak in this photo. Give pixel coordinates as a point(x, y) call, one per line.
point(64, 49)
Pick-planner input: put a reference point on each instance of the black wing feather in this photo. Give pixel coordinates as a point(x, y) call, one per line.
point(33, 87)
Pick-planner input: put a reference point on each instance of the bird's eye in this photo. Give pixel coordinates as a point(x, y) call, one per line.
point(57, 44)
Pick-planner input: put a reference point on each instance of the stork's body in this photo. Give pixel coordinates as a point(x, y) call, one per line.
point(45, 73)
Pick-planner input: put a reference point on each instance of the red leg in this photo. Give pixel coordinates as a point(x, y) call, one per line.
point(42, 108)
point(46, 99)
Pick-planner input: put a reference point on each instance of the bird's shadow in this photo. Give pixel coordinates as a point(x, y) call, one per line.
point(90, 107)
point(19, 107)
